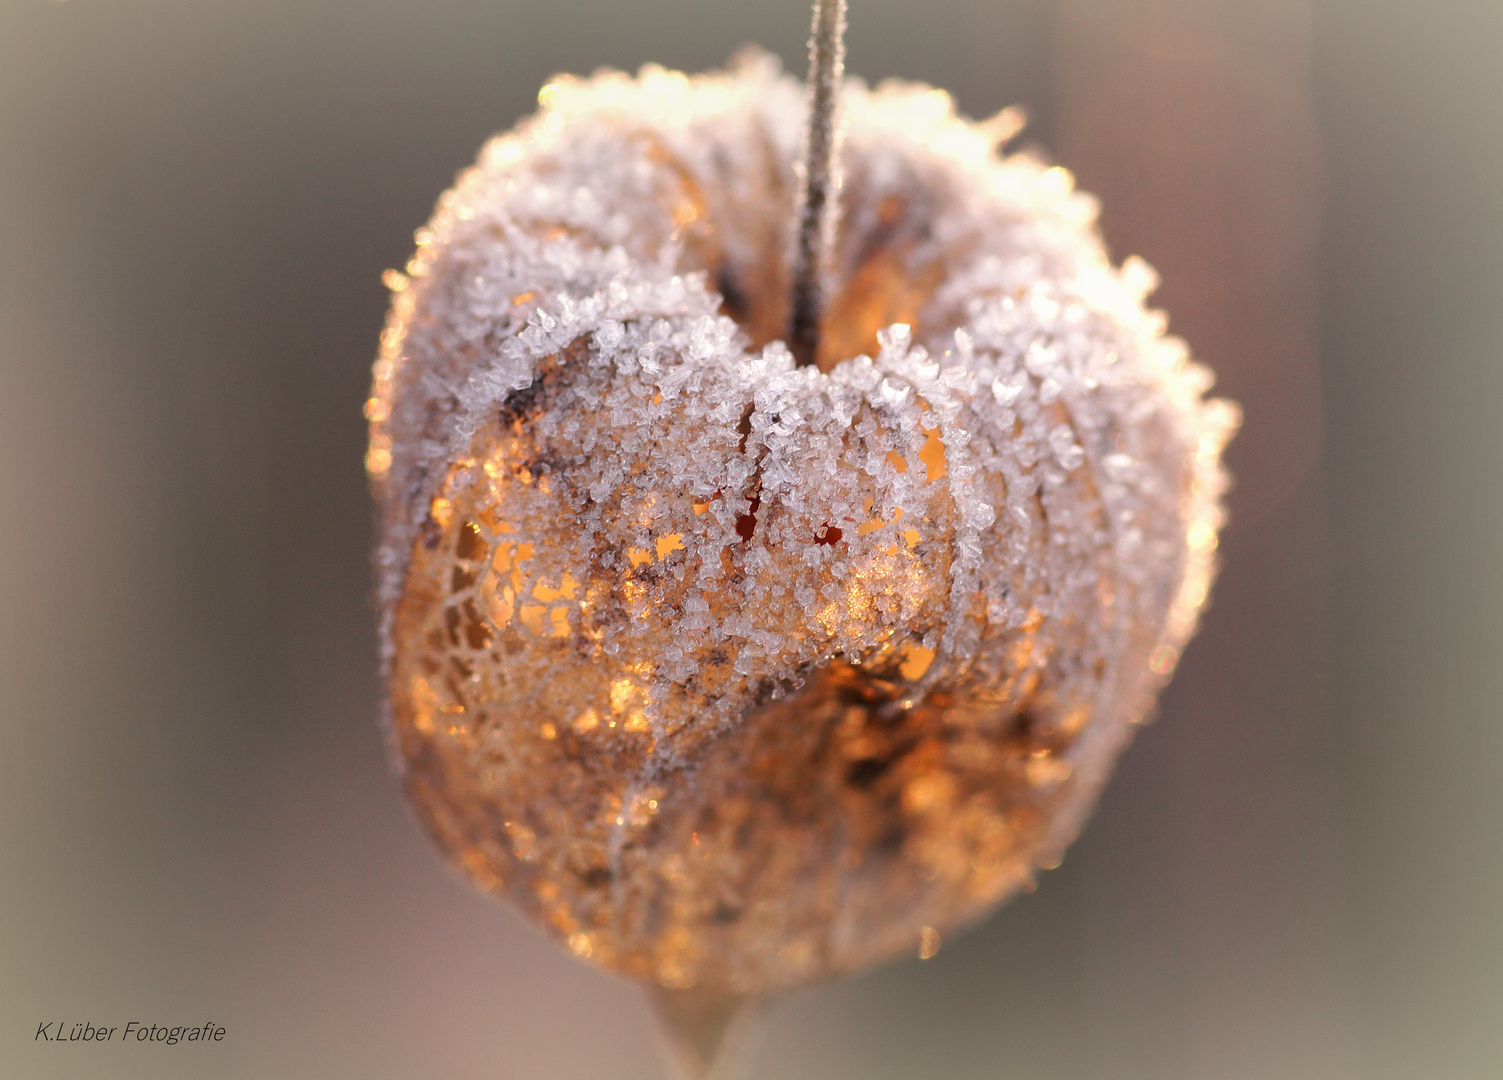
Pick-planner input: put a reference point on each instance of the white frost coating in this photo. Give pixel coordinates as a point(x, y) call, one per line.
point(1074, 501)
point(1078, 324)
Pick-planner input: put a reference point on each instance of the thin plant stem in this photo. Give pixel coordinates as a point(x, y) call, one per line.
point(816, 222)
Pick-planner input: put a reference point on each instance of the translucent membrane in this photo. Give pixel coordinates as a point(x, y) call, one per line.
point(735, 675)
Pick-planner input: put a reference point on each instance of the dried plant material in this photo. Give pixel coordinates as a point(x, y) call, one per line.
point(736, 675)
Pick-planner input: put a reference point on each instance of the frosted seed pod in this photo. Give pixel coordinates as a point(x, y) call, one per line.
point(736, 674)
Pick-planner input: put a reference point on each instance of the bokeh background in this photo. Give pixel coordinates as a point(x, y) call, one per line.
point(1298, 870)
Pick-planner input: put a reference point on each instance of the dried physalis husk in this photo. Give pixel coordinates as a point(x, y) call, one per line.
point(734, 674)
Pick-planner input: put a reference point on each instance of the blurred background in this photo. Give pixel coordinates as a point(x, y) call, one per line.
point(1298, 869)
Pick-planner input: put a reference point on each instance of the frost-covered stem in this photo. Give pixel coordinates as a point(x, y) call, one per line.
point(816, 225)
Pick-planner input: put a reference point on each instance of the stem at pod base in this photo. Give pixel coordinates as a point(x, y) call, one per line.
point(708, 1036)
